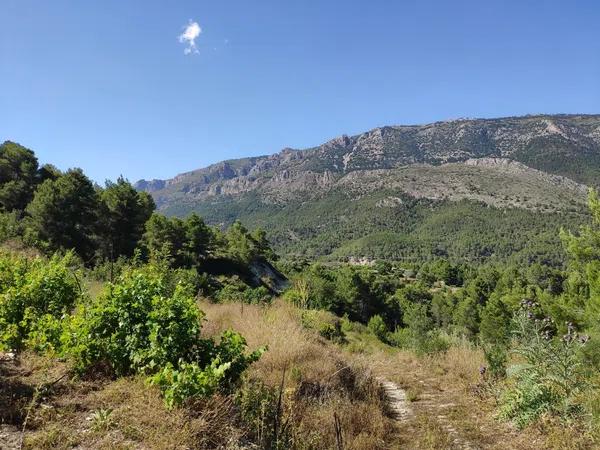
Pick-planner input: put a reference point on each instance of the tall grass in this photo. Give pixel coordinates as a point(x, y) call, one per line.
point(319, 381)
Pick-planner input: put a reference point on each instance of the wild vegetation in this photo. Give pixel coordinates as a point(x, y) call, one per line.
point(536, 325)
point(120, 328)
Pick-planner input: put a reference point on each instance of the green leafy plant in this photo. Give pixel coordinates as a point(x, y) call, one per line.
point(101, 419)
point(142, 324)
point(34, 295)
point(550, 377)
point(378, 327)
point(136, 326)
point(188, 380)
point(496, 357)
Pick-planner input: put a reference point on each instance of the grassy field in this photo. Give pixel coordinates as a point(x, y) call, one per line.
point(326, 395)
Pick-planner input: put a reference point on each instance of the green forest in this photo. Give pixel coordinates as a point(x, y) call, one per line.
point(336, 228)
point(92, 276)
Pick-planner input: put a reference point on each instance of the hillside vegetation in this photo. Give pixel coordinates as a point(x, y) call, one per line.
point(123, 328)
point(535, 169)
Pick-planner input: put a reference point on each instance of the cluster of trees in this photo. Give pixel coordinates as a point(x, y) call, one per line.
point(57, 211)
point(336, 228)
point(465, 299)
point(147, 320)
point(544, 314)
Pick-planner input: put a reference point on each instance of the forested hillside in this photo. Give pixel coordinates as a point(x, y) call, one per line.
point(121, 327)
point(396, 192)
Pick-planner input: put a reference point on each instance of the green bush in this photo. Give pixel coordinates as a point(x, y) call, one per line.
point(236, 290)
point(33, 290)
point(136, 325)
point(377, 326)
point(422, 344)
point(45, 333)
point(144, 324)
point(326, 324)
point(257, 296)
point(230, 349)
point(551, 376)
point(496, 357)
point(430, 343)
point(401, 338)
point(332, 332)
point(188, 380)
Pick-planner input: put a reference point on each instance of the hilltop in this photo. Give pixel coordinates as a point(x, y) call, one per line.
point(394, 192)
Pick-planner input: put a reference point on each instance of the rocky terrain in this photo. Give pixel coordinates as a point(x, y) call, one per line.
point(539, 163)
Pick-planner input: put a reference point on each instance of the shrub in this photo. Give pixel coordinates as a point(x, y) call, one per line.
point(45, 333)
point(231, 350)
point(551, 376)
point(401, 338)
point(137, 325)
point(237, 291)
point(332, 332)
point(432, 342)
point(188, 380)
point(230, 293)
point(377, 326)
point(143, 324)
point(326, 324)
point(496, 357)
point(32, 291)
point(256, 296)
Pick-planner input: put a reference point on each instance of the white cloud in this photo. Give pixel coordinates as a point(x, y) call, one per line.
point(189, 36)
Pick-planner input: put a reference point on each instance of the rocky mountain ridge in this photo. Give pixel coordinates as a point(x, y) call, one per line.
point(536, 141)
point(351, 192)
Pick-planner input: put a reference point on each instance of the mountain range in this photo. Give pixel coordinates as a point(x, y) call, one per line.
point(466, 188)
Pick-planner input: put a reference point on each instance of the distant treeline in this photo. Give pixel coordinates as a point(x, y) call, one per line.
point(58, 211)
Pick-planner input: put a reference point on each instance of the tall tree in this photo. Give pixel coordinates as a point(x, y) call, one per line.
point(584, 251)
point(18, 176)
point(186, 243)
point(64, 214)
point(125, 213)
point(240, 244)
point(199, 239)
point(165, 238)
point(263, 246)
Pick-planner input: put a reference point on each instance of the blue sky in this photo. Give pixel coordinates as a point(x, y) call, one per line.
point(107, 86)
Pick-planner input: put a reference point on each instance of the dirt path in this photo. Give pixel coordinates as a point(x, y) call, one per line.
point(10, 437)
point(432, 404)
point(396, 397)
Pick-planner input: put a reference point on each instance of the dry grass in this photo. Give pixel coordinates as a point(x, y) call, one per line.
point(455, 406)
point(322, 379)
point(17, 247)
point(137, 418)
point(452, 403)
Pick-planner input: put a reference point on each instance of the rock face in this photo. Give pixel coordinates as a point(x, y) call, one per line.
point(374, 187)
point(151, 185)
point(564, 145)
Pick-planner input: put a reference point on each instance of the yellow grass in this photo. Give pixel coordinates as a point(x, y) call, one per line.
point(321, 382)
point(309, 361)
